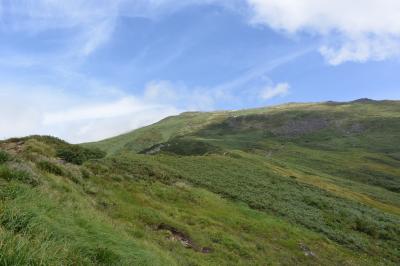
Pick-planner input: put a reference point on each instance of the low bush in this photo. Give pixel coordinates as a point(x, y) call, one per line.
point(184, 147)
point(4, 157)
point(365, 225)
point(50, 167)
point(78, 155)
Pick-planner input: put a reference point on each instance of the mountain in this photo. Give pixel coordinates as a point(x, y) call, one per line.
point(308, 184)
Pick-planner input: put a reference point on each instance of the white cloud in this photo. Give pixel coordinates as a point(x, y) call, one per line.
point(119, 107)
point(362, 49)
point(281, 89)
point(99, 113)
point(367, 29)
point(95, 122)
point(178, 94)
point(48, 111)
point(162, 89)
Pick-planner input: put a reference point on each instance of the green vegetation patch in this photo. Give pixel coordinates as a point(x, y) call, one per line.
point(78, 155)
point(18, 173)
point(4, 157)
point(50, 167)
point(184, 147)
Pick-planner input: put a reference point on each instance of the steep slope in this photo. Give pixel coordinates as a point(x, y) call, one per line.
point(289, 122)
point(310, 184)
point(162, 131)
point(332, 168)
point(133, 210)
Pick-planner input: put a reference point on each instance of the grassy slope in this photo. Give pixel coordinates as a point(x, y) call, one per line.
point(109, 212)
point(332, 168)
point(162, 131)
point(293, 184)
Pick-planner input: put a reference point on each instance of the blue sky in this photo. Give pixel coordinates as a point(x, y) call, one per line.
point(87, 70)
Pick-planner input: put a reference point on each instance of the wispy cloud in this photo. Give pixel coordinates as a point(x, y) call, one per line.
point(92, 21)
point(248, 85)
point(352, 31)
point(261, 70)
point(119, 107)
point(180, 95)
point(280, 89)
point(96, 35)
point(48, 111)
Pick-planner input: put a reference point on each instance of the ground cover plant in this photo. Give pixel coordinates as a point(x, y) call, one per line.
point(310, 184)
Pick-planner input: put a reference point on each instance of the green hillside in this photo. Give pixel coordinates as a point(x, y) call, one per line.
point(296, 184)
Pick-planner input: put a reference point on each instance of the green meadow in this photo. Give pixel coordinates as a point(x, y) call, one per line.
point(296, 184)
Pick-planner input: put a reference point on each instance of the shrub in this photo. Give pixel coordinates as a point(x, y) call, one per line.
point(365, 225)
point(185, 147)
point(86, 174)
point(4, 157)
point(78, 155)
point(50, 167)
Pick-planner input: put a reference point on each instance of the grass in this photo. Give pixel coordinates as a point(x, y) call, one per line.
point(112, 217)
point(84, 234)
point(298, 184)
point(300, 203)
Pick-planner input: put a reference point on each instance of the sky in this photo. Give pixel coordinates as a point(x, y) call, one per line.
point(85, 70)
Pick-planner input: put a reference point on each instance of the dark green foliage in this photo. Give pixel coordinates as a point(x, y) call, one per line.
point(85, 173)
point(366, 225)
point(50, 167)
point(185, 147)
point(4, 157)
point(78, 155)
point(103, 256)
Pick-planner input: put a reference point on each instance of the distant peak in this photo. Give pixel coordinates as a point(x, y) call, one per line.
point(364, 100)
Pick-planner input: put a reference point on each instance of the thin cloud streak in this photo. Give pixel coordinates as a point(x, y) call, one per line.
point(225, 90)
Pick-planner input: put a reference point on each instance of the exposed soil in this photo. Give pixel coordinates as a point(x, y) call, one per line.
point(13, 147)
point(183, 238)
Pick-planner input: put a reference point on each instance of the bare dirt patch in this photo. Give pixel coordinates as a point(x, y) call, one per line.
point(183, 238)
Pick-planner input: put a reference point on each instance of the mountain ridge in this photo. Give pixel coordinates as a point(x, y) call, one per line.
point(308, 184)
point(120, 140)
